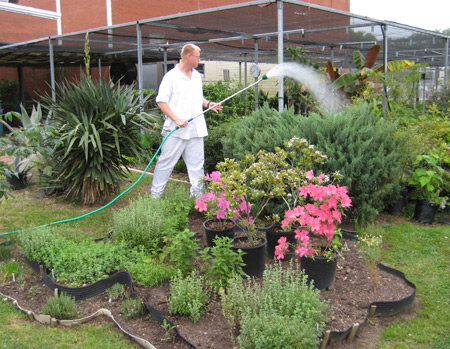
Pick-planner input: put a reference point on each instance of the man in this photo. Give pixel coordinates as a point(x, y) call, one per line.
point(180, 98)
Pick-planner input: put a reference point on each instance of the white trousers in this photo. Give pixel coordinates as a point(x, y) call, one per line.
point(193, 155)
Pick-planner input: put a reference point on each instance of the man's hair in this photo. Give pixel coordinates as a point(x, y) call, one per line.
point(188, 49)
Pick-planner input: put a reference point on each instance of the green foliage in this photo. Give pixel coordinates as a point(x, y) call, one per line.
point(76, 262)
point(265, 128)
point(150, 272)
point(10, 268)
point(221, 262)
point(234, 108)
point(116, 291)
point(5, 252)
point(361, 146)
point(182, 249)
point(132, 308)
point(213, 145)
point(34, 243)
point(97, 125)
point(427, 180)
point(283, 300)
point(188, 295)
point(62, 307)
point(144, 222)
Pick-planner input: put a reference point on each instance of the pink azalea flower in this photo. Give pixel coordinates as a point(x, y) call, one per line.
point(310, 174)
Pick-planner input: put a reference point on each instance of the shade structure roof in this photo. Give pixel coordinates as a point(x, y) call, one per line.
point(248, 30)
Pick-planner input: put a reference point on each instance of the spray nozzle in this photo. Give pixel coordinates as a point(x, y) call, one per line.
point(264, 77)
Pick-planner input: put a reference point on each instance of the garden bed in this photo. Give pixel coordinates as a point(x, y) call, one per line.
point(355, 289)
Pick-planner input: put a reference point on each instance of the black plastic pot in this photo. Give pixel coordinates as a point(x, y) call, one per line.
point(254, 257)
point(320, 270)
point(425, 211)
point(273, 236)
point(211, 234)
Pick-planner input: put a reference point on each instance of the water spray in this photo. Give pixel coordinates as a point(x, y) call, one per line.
point(254, 71)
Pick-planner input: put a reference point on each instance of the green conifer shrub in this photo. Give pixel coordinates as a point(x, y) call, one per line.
point(362, 146)
point(265, 128)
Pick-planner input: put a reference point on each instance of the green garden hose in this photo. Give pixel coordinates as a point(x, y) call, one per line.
point(103, 207)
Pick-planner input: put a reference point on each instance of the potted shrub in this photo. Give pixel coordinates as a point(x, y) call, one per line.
point(318, 240)
point(427, 181)
point(220, 217)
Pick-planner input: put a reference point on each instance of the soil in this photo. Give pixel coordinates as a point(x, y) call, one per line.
point(355, 288)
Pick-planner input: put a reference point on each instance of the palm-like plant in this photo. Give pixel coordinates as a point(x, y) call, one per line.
point(97, 125)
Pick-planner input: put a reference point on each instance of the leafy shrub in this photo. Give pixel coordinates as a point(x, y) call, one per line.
point(284, 298)
point(363, 148)
point(132, 308)
point(62, 307)
point(181, 250)
point(149, 272)
point(234, 108)
point(35, 243)
point(221, 262)
point(188, 296)
point(146, 220)
point(265, 128)
point(142, 222)
point(97, 125)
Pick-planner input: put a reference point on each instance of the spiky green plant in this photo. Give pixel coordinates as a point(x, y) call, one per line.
point(97, 125)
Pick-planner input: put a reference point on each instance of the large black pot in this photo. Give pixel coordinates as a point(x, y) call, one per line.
point(254, 257)
point(425, 211)
point(320, 270)
point(211, 233)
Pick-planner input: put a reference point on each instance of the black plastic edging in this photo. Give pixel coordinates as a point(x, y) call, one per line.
point(85, 292)
point(387, 308)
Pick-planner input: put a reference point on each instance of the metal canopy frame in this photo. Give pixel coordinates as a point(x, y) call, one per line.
point(257, 30)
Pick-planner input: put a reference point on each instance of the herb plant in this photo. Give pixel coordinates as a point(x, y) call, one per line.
point(62, 307)
point(188, 295)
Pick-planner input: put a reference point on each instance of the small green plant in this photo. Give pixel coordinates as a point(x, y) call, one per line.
point(132, 308)
point(284, 300)
point(168, 328)
point(150, 272)
point(10, 269)
point(371, 248)
point(182, 249)
point(428, 180)
point(62, 307)
point(5, 252)
point(221, 263)
point(145, 222)
point(116, 291)
point(188, 295)
point(34, 243)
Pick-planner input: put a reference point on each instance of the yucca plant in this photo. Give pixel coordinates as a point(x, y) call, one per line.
point(97, 125)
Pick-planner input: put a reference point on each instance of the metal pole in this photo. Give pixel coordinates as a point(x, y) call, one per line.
point(165, 60)
point(52, 68)
point(424, 75)
point(100, 69)
point(140, 69)
point(280, 54)
point(446, 71)
point(256, 86)
point(385, 63)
